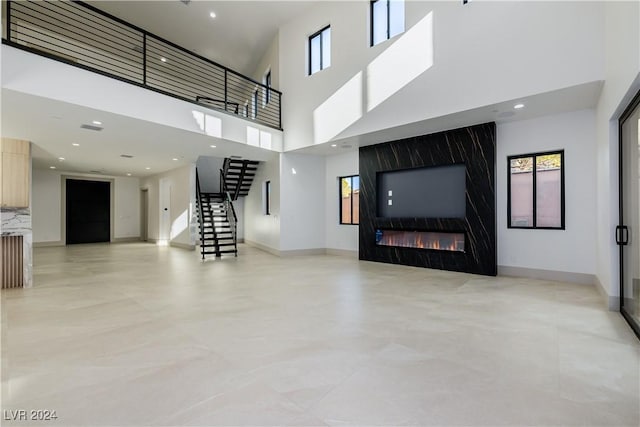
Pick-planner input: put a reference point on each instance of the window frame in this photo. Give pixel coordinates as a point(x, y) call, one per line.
point(267, 197)
point(267, 90)
point(340, 178)
point(371, 23)
point(254, 105)
point(309, 44)
point(534, 190)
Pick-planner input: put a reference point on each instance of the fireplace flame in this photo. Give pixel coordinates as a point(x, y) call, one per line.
point(441, 241)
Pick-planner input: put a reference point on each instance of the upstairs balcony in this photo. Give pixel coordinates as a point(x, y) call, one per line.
point(81, 35)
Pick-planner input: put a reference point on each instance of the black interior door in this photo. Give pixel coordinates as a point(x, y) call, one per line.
point(88, 211)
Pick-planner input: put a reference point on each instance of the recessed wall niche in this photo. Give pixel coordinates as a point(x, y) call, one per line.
point(441, 185)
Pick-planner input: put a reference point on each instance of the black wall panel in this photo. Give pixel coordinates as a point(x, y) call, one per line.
point(473, 146)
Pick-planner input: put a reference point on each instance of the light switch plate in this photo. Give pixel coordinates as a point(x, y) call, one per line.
point(390, 202)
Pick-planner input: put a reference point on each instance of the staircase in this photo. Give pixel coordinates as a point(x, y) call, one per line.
point(238, 175)
point(216, 214)
point(217, 221)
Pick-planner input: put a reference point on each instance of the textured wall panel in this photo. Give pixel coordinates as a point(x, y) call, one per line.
point(474, 146)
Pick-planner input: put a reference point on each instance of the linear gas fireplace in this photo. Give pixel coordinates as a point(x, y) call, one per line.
point(439, 241)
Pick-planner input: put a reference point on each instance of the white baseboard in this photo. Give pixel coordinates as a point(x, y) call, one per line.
point(262, 247)
point(612, 303)
point(342, 253)
point(182, 246)
point(553, 275)
point(304, 252)
point(47, 244)
point(125, 239)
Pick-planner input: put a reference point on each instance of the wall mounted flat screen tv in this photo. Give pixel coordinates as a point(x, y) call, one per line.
point(429, 192)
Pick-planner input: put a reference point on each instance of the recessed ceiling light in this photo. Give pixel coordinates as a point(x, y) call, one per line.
point(52, 167)
point(518, 106)
point(75, 144)
point(163, 59)
point(128, 174)
point(212, 14)
point(174, 159)
point(212, 146)
point(148, 168)
point(333, 145)
point(97, 122)
point(61, 159)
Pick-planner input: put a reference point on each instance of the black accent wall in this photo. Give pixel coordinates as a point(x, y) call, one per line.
point(473, 146)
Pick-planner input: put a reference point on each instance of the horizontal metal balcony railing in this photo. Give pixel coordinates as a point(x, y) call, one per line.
point(81, 35)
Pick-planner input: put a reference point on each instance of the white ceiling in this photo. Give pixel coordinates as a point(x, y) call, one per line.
point(237, 38)
point(54, 127)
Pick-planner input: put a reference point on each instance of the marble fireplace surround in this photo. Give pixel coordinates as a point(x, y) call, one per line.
point(473, 146)
point(17, 222)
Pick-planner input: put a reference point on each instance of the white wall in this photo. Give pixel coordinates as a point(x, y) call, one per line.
point(483, 53)
point(302, 197)
point(47, 205)
point(270, 61)
point(622, 73)
point(209, 173)
point(572, 250)
point(259, 229)
point(182, 205)
point(339, 236)
point(32, 74)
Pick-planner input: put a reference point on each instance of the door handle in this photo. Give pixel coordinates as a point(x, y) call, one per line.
point(622, 235)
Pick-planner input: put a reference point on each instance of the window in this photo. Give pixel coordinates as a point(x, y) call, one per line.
point(387, 20)
point(254, 105)
point(320, 50)
point(350, 199)
point(536, 190)
point(267, 198)
point(267, 93)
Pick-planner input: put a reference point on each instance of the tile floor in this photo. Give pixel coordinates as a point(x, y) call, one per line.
point(140, 335)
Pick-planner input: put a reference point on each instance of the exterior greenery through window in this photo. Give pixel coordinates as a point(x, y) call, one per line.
point(387, 20)
point(320, 50)
point(536, 190)
point(350, 199)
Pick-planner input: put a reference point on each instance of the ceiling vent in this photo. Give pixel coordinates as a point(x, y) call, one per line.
point(186, 2)
point(126, 156)
point(91, 127)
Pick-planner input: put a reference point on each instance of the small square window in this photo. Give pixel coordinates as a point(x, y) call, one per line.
point(320, 50)
point(536, 191)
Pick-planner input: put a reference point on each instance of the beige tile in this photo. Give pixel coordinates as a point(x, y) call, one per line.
point(135, 334)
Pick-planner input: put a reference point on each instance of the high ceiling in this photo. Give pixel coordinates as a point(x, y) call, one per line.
point(237, 37)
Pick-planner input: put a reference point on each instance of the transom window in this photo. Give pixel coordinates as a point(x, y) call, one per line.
point(350, 199)
point(536, 190)
point(320, 50)
point(387, 20)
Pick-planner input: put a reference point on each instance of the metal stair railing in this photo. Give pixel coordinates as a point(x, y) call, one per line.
point(232, 218)
point(200, 217)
